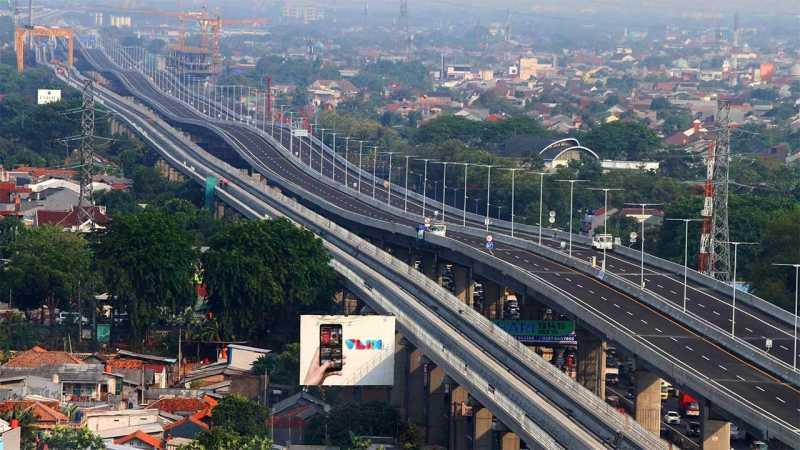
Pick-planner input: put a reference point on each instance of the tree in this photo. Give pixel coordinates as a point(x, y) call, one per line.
point(282, 368)
point(148, 262)
point(47, 265)
point(64, 438)
point(347, 420)
point(622, 140)
point(780, 243)
point(241, 416)
point(223, 439)
point(272, 269)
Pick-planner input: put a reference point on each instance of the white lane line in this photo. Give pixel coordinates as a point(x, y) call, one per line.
point(603, 298)
point(616, 305)
point(705, 357)
point(784, 347)
point(739, 377)
point(557, 274)
point(527, 261)
point(535, 264)
point(673, 292)
point(689, 348)
point(567, 278)
point(715, 312)
point(546, 268)
point(659, 331)
point(579, 285)
point(673, 339)
point(644, 321)
point(660, 286)
point(722, 367)
point(629, 313)
point(760, 388)
point(611, 265)
point(748, 330)
point(701, 305)
point(780, 399)
point(591, 292)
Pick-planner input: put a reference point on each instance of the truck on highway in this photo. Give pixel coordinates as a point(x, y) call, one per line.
point(688, 405)
point(603, 241)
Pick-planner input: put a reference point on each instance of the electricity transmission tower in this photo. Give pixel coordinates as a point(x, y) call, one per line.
point(720, 266)
point(86, 210)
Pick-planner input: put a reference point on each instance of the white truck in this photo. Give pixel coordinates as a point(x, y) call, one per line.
point(603, 242)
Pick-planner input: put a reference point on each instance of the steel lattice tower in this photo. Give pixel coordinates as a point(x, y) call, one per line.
point(720, 264)
point(86, 197)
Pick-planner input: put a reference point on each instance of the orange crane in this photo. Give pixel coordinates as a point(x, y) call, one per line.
point(20, 33)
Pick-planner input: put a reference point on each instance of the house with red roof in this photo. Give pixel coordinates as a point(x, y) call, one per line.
point(46, 412)
point(140, 439)
point(37, 357)
point(71, 220)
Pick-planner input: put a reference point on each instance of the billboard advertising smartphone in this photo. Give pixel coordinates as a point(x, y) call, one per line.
point(347, 350)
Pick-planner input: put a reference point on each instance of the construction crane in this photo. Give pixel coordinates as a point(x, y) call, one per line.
point(21, 33)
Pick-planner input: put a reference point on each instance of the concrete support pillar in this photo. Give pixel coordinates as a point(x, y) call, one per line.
point(591, 370)
point(493, 300)
point(648, 401)
point(401, 358)
point(415, 391)
point(482, 438)
point(401, 253)
point(509, 441)
point(430, 267)
point(219, 210)
point(458, 419)
point(437, 408)
point(716, 435)
point(463, 285)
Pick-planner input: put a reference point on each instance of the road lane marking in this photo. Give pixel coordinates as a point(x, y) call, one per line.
point(760, 388)
point(616, 305)
point(629, 313)
point(689, 348)
point(784, 347)
point(705, 357)
point(715, 312)
point(644, 321)
point(748, 330)
point(591, 292)
point(780, 399)
point(673, 292)
point(659, 331)
point(722, 367)
point(701, 305)
point(673, 339)
point(741, 378)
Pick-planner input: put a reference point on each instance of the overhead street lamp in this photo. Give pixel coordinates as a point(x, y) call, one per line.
point(444, 187)
point(374, 169)
point(571, 192)
point(405, 201)
point(643, 205)
point(796, 290)
point(736, 245)
point(488, 192)
point(605, 214)
point(322, 148)
point(360, 168)
point(425, 185)
point(346, 159)
point(389, 179)
point(513, 172)
point(333, 157)
point(541, 200)
point(466, 170)
point(685, 254)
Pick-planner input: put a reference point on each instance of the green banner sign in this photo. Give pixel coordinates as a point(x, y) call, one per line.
point(539, 331)
point(211, 184)
point(104, 333)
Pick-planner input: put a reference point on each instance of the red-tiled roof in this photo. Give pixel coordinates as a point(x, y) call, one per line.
point(66, 218)
point(141, 436)
point(38, 357)
point(45, 411)
point(43, 171)
point(179, 404)
point(191, 419)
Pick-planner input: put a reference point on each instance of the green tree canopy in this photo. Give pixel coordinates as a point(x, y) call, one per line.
point(241, 416)
point(64, 438)
point(282, 368)
point(148, 262)
point(344, 421)
point(271, 269)
point(47, 266)
point(622, 140)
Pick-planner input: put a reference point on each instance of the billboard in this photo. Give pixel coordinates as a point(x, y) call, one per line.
point(347, 350)
point(540, 331)
point(45, 96)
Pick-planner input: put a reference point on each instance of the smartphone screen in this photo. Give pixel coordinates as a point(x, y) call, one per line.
point(330, 345)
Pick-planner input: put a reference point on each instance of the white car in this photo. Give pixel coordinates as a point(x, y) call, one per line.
point(672, 418)
point(603, 241)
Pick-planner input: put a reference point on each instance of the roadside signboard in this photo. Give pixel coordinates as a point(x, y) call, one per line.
point(540, 331)
point(103, 333)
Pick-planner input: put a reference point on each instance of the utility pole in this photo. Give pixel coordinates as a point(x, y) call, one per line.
point(720, 264)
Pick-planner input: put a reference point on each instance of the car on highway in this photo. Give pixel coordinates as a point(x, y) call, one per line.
point(693, 429)
point(737, 433)
point(672, 418)
point(603, 242)
point(612, 379)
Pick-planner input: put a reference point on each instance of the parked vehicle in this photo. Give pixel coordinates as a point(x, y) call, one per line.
point(67, 317)
point(672, 418)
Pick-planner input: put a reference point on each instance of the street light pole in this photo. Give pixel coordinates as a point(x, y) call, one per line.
point(405, 201)
point(605, 215)
point(360, 168)
point(374, 169)
point(736, 245)
point(466, 169)
point(796, 291)
point(321, 148)
point(333, 157)
point(425, 186)
point(685, 254)
point(346, 159)
point(513, 172)
point(444, 189)
point(541, 201)
point(643, 205)
point(488, 193)
point(389, 179)
point(571, 192)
